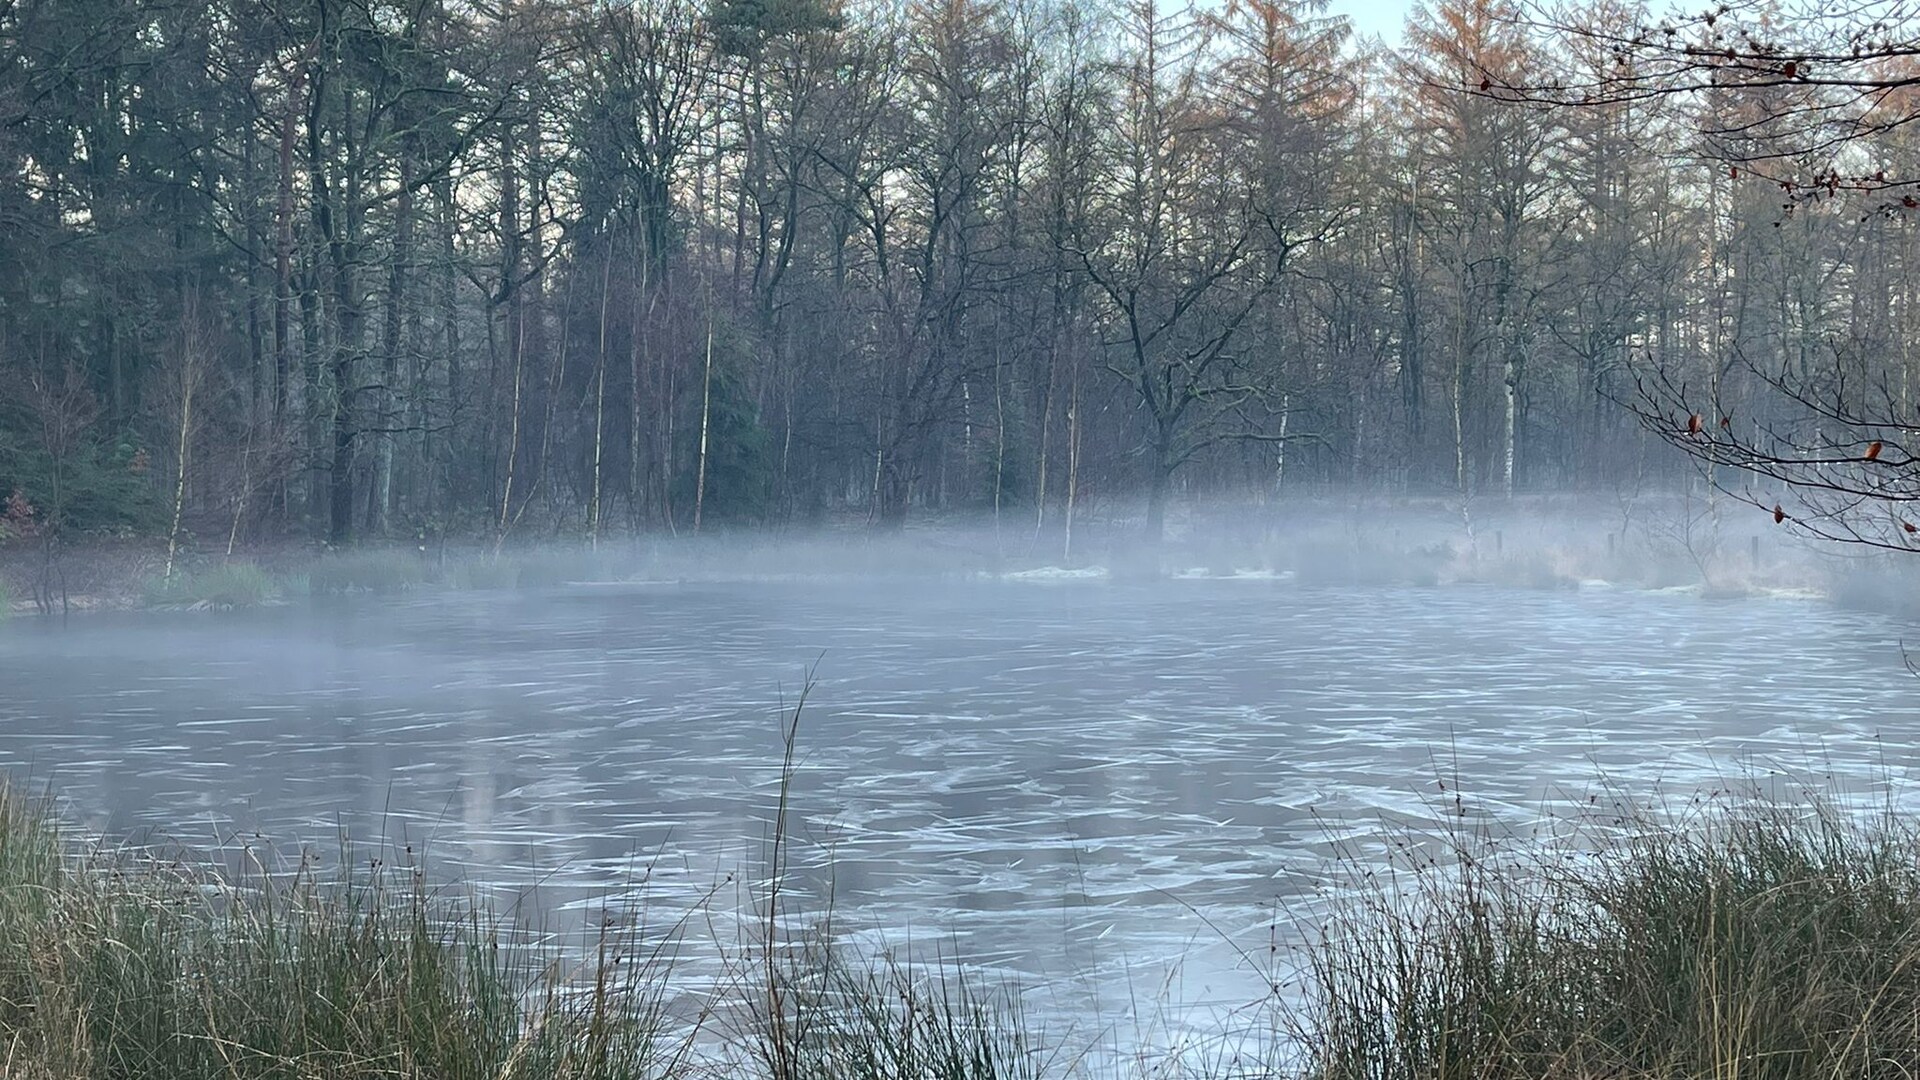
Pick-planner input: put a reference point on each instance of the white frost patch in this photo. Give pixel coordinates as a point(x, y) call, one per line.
point(1791, 594)
point(1058, 573)
point(1201, 573)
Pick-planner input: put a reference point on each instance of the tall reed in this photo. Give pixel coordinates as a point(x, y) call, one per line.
point(1748, 941)
point(1752, 941)
point(119, 964)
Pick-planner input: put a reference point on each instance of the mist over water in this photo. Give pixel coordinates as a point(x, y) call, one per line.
point(1093, 779)
point(1223, 478)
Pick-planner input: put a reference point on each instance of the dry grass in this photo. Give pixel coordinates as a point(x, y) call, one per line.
point(126, 963)
point(1750, 942)
point(115, 964)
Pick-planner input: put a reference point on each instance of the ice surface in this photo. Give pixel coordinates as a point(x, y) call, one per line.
point(1095, 788)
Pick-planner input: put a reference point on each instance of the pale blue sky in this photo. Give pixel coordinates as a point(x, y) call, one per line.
point(1382, 17)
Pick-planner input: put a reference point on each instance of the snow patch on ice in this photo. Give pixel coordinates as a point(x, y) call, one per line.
point(1790, 594)
point(1058, 573)
point(1201, 573)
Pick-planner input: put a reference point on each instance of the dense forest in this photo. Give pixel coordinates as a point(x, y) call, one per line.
point(347, 269)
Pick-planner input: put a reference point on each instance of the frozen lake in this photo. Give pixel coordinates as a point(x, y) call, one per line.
point(1091, 784)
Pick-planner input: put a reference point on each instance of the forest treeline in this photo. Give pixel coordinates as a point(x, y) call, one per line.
point(360, 268)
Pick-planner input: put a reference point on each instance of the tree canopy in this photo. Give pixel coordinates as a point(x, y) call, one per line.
point(311, 268)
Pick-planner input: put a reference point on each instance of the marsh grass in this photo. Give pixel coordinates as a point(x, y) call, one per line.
point(119, 964)
point(1751, 941)
point(221, 585)
point(483, 572)
point(816, 1008)
point(1746, 940)
point(397, 570)
point(541, 569)
point(371, 570)
point(141, 963)
point(879, 1020)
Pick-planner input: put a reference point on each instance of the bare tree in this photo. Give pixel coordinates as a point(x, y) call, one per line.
point(1784, 399)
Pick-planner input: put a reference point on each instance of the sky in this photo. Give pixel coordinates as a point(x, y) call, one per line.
point(1382, 17)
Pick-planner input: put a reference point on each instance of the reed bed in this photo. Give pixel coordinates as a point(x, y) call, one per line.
point(124, 964)
point(1749, 941)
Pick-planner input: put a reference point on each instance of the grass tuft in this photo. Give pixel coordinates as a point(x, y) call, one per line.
point(121, 964)
point(118, 965)
point(372, 570)
point(224, 585)
point(1754, 942)
point(394, 570)
point(837, 1014)
point(484, 572)
point(1748, 941)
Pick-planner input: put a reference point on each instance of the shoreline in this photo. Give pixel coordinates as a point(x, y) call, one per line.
point(127, 575)
point(1642, 940)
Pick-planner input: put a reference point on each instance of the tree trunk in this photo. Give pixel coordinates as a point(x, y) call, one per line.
point(310, 422)
point(1280, 451)
point(1046, 430)
point(380, 498)
point(895, 491)
point(1459, 430)
point(1509, 410)
point(441, 479)
point(515, 317)
point(517, 348)
point(1157, 486)
point(600, 401)
point(338, 232)
point(189, 377)
point(706, 420)
point(340, 478)
point(283, 271)
point(1073, 461)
